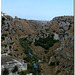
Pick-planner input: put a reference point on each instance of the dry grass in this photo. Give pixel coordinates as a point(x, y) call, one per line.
point(53, 48)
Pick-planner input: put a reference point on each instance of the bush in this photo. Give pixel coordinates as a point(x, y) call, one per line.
point(52, 63)
point(3, 38)
point(4, 34)
point(53, 30)
point(57, 63)
point(58, 71)
point(15, 69)
point(10, 54)
point(29, 42)
point(69, 27)
point(23, 43)
point(28, 58)
point(3, 19)
point(3, 23)
point(5, 71)
point(16, 50)
point(5, 45)
point(12, 43)
point(22, 73)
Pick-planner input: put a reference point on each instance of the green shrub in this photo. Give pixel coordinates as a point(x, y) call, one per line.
point(45, 42)
point(3, 23)
point(5, 45)
point(28, 58)
point(3, 38)
point(52, 63)
point(24, 45)
point(16, 50)
point(69, 27)
point(12, 43)
point(5, 72)
point(57, 63)
point(58, 71)
point(47, 30)
point(10, 54)
point(15, 69)
point(53, 30)
point(4, 34)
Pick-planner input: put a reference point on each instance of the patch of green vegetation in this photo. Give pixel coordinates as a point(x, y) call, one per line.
point(5, 72)
point(14, 55)
point(24, 45)
point(27, 49)
point(16, 50)
point(57, 63)
point(12, 43)
point(30, 57)
point(31, 69)
point(10, 54)
point(29, 42)
point(58, 71)
point(3, 23)
point(24, 72)
point(53, 30)
point(47, 30)
point(15, 69)
point(46, 43)
point(5, 45)
point(3, 19)
point(52, 63)
point(69, 27)
point(3, 37)
point(4, 34)
point(60, 27)
point(17, 54)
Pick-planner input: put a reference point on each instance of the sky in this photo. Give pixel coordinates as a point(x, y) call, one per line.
point(37, 9)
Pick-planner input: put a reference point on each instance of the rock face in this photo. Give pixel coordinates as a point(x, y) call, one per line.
point(59, 59)
point(8, 39)
point(9, 63)
point(56, 36)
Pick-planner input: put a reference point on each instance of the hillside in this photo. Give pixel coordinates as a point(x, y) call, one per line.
point(52, 43)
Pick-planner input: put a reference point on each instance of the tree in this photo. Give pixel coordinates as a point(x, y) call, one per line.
point(16, 17)
point(46, 42)
point(52, 63)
